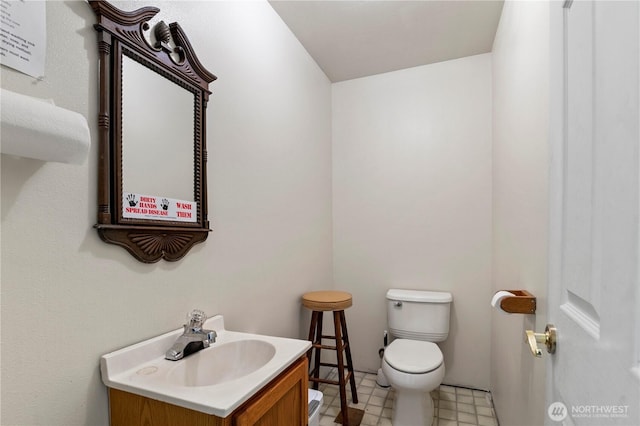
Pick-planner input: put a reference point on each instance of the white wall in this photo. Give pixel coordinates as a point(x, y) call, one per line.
point(520, 204)
point(412, 203)
point(68, 298)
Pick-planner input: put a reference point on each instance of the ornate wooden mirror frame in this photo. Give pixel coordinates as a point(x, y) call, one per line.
point(148, 237)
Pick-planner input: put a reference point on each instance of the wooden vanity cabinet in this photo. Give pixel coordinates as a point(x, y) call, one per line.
point(282, 402)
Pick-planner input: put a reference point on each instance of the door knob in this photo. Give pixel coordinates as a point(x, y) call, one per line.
point(548, 338)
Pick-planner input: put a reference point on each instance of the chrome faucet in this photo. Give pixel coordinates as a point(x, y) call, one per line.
point(193, 339)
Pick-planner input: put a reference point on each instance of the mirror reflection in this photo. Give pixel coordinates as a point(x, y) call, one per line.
point(156, 110)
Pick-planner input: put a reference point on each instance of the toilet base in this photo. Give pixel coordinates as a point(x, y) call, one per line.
point(412, 409)
point(381, 379)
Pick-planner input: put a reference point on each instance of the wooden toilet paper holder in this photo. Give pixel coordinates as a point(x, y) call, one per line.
point(522, 302)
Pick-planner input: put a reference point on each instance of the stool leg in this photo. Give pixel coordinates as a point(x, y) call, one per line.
point(318, 342)
point(312, 335)
point(352, 378)
point(340, 356)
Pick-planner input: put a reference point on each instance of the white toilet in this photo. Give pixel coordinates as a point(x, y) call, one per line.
point(412, 363)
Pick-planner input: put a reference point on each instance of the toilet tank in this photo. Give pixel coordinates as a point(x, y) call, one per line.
point(418, 314)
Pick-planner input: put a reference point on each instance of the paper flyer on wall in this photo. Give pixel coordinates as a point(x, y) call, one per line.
point(23, 36)
point(139, 206)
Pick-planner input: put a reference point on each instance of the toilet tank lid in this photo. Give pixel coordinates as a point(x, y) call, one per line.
point(419, 296)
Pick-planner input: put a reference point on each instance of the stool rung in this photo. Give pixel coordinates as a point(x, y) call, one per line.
point(327, 381)
point(326, 364)
point(329, 337)
point(333, 348)
point(330, 382)
point(323, 364)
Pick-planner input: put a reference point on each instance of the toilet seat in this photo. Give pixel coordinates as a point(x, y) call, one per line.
point(413, 356)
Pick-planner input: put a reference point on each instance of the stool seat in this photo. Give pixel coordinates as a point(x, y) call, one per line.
point(327, 300)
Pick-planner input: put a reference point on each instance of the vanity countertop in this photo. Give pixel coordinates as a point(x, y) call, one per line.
point(142, 369)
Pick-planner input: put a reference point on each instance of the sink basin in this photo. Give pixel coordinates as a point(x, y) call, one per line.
point(215, 380)
point(222, 363)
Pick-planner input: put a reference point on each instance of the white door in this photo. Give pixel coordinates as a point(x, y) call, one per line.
point(594, 376)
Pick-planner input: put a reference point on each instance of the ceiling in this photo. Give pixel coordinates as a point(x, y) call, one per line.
point(352, 39)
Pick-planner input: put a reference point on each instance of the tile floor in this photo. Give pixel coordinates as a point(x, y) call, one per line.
point(454, 406)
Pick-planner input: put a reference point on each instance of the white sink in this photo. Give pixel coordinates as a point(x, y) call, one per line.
point(222, 363)
point(215, 380)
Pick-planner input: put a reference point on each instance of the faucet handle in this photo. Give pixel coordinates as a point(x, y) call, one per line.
point(211, 337)
point(196, 318)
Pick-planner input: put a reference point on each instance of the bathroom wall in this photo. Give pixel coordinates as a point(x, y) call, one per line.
point(68, 298)
point(520, 204)
point(412, 203)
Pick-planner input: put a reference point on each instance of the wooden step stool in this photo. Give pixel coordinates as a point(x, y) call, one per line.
point(336, 301)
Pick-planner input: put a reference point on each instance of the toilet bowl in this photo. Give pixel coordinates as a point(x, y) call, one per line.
point(413, 368)
point(413, 364)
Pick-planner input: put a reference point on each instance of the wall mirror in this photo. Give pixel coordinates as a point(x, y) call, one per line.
point(152, 174)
